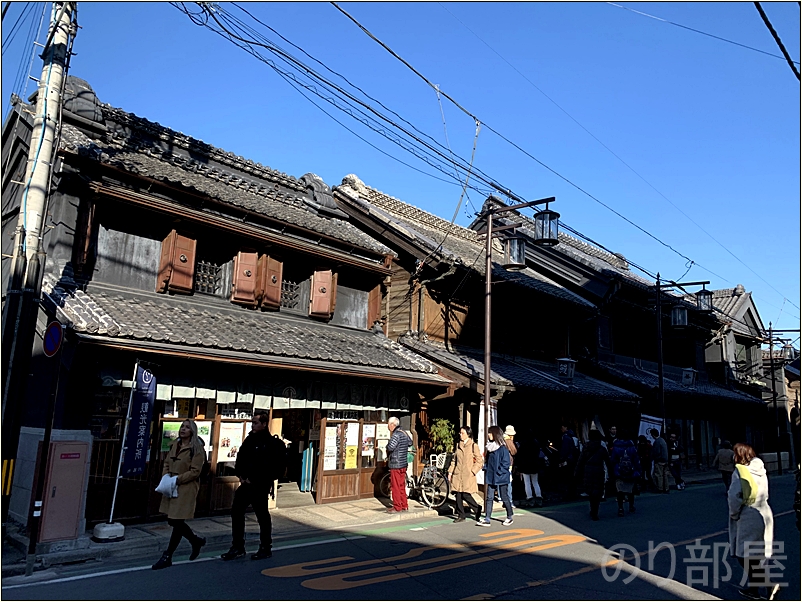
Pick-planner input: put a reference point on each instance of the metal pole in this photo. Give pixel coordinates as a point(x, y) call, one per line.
point(488, 278)
point(661, 393)
point(122, 443)
point(778, 446)
point(35, 519)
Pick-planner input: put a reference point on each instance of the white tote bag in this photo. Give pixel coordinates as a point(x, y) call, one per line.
point(167, 486)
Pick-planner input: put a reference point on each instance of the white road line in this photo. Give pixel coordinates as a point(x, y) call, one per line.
point(143, 568)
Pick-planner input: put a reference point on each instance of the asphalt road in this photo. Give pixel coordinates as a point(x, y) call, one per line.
point(553, 553)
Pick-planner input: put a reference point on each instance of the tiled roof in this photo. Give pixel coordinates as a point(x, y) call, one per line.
point(518, 372)
point(214, 324)
point(649, 379)
point(461, 245)
point(150, 150)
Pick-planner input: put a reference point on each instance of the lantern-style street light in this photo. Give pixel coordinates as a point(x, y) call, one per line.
point(679, 319)
point(546, 234)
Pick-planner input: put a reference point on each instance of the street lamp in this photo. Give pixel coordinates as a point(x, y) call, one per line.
point(546, 234)
point(679, 318)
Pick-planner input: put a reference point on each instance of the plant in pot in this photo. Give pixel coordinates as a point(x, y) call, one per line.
point(441, 435)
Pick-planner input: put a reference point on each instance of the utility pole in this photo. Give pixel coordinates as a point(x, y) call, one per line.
point(28, 259)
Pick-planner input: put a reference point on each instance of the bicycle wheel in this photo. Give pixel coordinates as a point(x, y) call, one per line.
point(434, 490)
point(384, 485)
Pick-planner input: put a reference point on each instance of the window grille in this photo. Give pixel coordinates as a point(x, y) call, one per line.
point(290, 294)
point(208, 277)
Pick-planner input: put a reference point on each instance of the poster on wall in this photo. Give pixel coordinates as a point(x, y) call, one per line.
point(646, 424)
point(229, 441)
point(368, 439)
point(350, 456)
point(330, 449)
point(169, 434)
point(205, 433)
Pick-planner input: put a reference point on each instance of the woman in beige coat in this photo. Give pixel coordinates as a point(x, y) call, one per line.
point(184, 461)
point(467, 464)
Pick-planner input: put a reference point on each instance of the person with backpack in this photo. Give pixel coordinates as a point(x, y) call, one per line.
point(184, 462)
point(261, 460)
point(591, 469)
point(627, 471)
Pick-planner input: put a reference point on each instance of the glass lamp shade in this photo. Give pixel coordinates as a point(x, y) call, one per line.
point(514, 253)
point(679, 316)
point(704, 300)
point(788, 351)
point(546, 228)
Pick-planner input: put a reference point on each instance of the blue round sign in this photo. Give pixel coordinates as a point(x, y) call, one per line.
point(51, 342)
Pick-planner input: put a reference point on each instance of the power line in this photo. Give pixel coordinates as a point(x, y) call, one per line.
point(27, 9)
point(541, 163)
point(710, 35)
point(627, 165)
point(777, 39)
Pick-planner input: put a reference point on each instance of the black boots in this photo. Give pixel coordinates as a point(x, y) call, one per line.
point(163, 562)
point(196, 547)
point(262, 553)
point(233, 553)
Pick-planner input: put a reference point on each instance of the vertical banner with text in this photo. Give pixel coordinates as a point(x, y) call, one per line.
point(138, 440)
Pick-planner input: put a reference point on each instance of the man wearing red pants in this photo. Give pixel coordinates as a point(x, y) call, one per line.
point(397, 449)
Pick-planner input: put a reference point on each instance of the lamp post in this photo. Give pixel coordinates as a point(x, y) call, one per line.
point(546, 232)
point(679, 318)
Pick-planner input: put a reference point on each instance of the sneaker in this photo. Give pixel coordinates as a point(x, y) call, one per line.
point(539, 502)
point(479, 514)
point(459, 519)
point(163, 562)
point(483, 523)
point(262, 553)
point(233, 553)
point(196, 547)
point(507, 522)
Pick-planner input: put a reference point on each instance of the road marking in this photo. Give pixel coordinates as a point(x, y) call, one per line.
point(424, 560)
point(133, 569)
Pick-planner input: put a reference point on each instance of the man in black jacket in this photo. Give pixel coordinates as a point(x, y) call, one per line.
point(253, 469)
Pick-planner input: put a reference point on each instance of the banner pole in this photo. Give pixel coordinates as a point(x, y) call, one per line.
point(123, 442)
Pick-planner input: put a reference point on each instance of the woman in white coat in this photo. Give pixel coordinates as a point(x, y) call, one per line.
point(751, 520)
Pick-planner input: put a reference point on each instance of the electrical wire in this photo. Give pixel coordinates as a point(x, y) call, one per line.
point(27, 9)
point(541, 163)
point(710, 35)
point(777, 39)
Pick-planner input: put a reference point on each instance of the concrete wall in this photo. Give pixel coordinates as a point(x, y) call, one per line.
point(26, 465)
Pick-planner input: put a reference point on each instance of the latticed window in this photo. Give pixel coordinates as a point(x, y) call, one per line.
point(208, 277)
point(290, 294)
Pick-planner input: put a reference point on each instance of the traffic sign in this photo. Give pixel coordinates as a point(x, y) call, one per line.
point(54, 335)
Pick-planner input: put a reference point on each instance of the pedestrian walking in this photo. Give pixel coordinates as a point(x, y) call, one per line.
point(591, 466)
point(751, 522)
point(529, 460)
point(497, 475)
point(627, 471)
point(676, 454)
point(660, 460)
point(255, 467)
point(512, 447)
point(397, 462)
point(466, 465)
point(184, 461)
point(569, 453)
point(645, 457)
point(611, 438)
point(725, 462)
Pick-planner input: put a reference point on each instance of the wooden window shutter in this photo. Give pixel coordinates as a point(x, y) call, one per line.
point(165, 263)
point(268, 275)
point(83, 235)
point(320, 306)
point(183, 274)
point(374, 305)
point(243, 285)
point(333, 292)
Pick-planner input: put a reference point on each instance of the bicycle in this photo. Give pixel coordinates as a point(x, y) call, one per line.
point(432, 487)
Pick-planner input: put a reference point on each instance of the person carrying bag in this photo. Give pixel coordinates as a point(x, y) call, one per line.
point(179, 488)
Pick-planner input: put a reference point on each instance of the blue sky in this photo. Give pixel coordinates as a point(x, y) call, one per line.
point(711, 126)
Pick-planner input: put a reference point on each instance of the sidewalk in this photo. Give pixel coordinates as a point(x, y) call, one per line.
point(150, 539)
